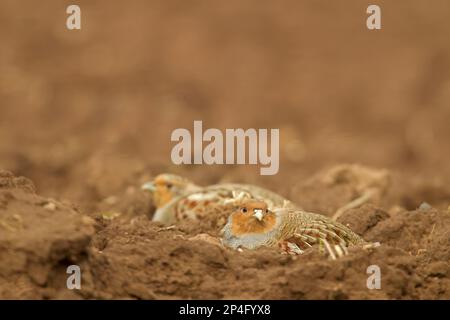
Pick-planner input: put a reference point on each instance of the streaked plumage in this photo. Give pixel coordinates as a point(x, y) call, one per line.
point(177, 198)
point(255, 225)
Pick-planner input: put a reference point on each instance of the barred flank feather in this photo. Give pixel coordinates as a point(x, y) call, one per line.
point(306, 229)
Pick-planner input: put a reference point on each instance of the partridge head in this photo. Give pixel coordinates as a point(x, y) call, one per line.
point(165, 187)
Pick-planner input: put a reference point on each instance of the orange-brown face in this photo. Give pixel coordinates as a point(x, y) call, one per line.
point(253, 216)
point(165, 187)
point(163, 191)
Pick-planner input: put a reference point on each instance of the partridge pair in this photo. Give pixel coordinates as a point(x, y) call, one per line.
point(254, 217)
point(177, 198)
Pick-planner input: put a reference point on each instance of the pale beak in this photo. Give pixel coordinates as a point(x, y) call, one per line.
point(258, 214)
point(149, 186)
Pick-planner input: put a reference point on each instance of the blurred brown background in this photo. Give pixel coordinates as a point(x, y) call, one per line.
point(88, 113)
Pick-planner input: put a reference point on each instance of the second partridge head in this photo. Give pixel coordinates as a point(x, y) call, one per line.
point(165, 187)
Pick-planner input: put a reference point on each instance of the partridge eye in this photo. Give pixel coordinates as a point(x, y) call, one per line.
point(169, 186)
point(244, 210)
point(267, 210)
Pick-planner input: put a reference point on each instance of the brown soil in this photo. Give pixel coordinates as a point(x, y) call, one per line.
point(87, 116)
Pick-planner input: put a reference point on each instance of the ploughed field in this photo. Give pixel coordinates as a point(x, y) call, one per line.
point(86, 117)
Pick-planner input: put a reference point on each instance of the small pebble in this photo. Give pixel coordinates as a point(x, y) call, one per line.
point(110, 200)
point(110, 215)
point(425, 206)
point(50, 206)
point(396, 209)
point(87, 220)
point(421, 251)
